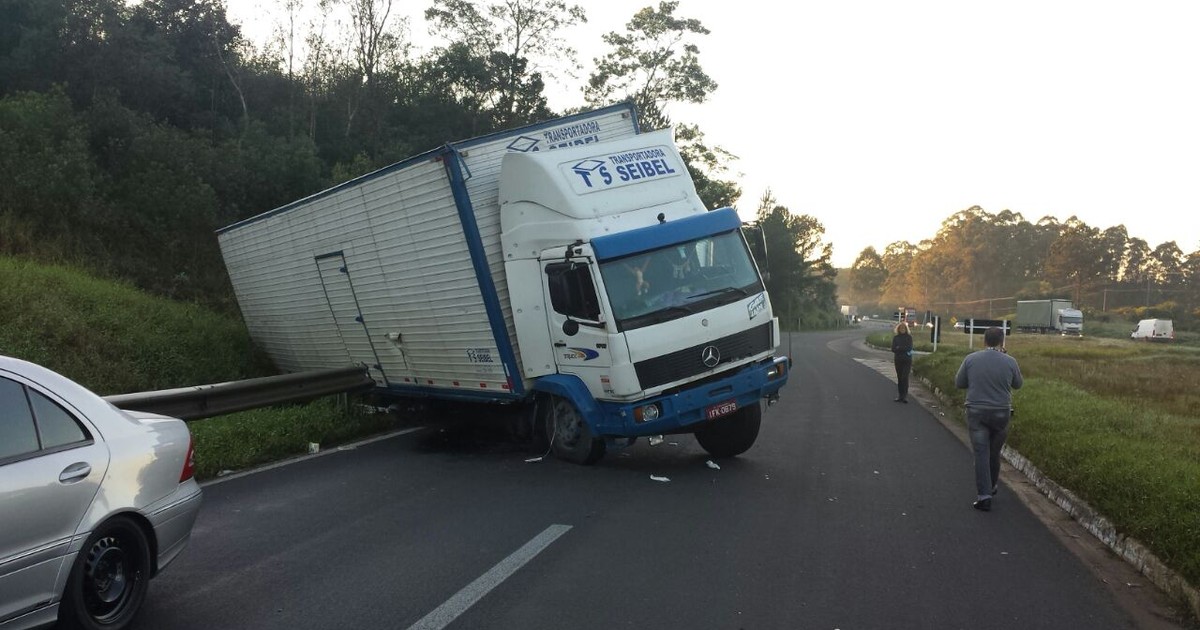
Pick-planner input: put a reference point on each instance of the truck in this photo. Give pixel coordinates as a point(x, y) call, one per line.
point(567, 267)
point(1049, 316)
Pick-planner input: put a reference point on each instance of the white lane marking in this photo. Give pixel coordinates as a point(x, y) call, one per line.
point(885, 368)
point(304, 458)
point(443, 615)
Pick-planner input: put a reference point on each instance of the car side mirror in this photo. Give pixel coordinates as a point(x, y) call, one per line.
point(570, 328)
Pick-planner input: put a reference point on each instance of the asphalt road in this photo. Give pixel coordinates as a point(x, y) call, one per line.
point(851, 511)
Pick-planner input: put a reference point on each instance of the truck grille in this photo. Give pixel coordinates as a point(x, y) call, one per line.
point(690, 361)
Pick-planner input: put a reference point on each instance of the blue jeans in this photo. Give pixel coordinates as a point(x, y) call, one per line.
point(989, 429)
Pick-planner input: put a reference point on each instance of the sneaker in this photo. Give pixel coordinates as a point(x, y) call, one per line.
point(983, 505)
point(994, 489)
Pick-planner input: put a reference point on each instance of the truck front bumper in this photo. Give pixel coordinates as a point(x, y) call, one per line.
point(682, 410)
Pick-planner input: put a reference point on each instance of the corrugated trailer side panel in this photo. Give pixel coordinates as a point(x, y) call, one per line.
point(423, 300)
point(415, 288)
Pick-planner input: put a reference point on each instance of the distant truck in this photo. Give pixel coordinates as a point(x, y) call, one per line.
point(1154, 330)
point(1049, 316)
point(850, 312)
point(568, 267)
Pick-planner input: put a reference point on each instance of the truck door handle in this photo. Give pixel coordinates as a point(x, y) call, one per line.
point(559, 344)
point(75, 472)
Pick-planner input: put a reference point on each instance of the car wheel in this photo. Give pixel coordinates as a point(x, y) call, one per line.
point(108, 582)
point(733, 435)
point(569, 434)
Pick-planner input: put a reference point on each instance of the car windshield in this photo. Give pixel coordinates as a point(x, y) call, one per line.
point(672, 282)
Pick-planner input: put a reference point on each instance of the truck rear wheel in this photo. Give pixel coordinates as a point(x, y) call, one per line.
point(732, 435)
point(569, 434)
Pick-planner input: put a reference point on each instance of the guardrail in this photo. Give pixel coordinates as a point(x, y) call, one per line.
point(204, 401)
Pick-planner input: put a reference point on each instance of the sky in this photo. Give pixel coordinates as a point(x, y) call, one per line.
point(881, 119)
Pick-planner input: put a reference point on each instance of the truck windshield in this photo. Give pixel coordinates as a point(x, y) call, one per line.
point(1072, 319)
point(672, 282)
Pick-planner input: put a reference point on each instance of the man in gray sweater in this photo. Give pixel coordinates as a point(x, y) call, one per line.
point(989, 376)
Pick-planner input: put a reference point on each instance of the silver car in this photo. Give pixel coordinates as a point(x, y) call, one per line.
point(94, 501)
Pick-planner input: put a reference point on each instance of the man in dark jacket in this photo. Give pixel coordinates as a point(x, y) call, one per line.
point(989, 376)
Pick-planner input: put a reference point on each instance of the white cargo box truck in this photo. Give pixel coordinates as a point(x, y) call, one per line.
point(569, 266)
point(1049, 316)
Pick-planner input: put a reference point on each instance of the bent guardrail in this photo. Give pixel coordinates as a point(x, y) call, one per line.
point(204, 401)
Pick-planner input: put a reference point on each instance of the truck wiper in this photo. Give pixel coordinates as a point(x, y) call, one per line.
point(661, 315)
point(740, 290)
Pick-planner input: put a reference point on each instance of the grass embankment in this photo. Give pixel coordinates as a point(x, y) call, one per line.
point(115, 339)
point(1116, 421)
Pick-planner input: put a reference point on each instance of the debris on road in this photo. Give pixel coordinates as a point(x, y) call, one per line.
point(655, 440)
point(713, 465)
point(657, 478)
point(534, 459)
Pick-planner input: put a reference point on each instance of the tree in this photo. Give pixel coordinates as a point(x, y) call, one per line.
point(868, 275)
point(1076, 257)
point(505, 48)
point(898, 259)
point(801, 281)
point(1136, 266)
point(705, 164)
point(374, 44)
point(654, 63)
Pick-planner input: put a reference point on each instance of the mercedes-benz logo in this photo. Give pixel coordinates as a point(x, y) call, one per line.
point(711, 356)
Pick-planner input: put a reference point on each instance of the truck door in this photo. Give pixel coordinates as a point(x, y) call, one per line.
point(343, 304)
point(577, 329)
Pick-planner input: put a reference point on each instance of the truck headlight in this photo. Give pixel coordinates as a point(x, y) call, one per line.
point(647, 413)
point(776, 370)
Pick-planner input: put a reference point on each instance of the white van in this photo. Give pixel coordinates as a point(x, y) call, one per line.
point(1152, 329)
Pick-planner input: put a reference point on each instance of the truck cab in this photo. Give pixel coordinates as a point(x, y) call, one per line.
point(637, 311)
point(1070, 321)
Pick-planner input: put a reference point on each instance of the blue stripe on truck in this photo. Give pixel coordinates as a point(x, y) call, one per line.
point(664, 234)
point(491, 301)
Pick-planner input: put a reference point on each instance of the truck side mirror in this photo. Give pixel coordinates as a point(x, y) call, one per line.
point(570, 328)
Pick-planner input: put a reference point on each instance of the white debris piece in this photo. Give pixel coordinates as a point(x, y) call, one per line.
point(655, 440)
point(713, 465)
point(534, 459)
point(657, 478)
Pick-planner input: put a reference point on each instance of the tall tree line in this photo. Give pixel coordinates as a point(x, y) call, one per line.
point(130, 131)
point(977, 257)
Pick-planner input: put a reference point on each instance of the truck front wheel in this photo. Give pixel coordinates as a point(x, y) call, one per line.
point(569, 434)
point(732, 435)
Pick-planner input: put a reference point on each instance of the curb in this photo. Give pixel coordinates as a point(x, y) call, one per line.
point(1128, 549)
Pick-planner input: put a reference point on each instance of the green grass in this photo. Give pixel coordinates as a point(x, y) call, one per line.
point(113, 338)
point(243, 440)
point(1116, 421)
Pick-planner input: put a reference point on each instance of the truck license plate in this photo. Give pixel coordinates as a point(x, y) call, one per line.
point(721, 409)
